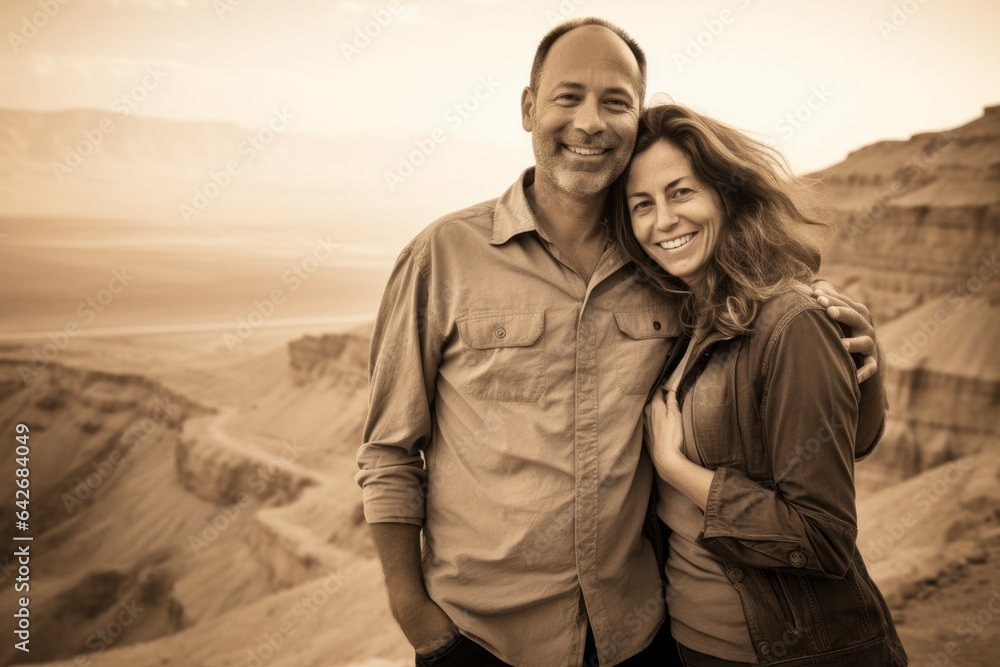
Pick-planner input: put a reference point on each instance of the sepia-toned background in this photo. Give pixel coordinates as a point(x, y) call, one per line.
point(200, 202)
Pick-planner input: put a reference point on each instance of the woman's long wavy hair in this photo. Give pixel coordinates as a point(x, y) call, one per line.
point(767, 241)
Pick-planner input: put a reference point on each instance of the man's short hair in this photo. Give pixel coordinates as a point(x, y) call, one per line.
point(550, 38)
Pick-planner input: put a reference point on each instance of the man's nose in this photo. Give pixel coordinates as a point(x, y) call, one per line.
point(590, 117)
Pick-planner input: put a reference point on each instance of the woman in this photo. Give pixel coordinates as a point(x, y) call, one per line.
point(754, 440)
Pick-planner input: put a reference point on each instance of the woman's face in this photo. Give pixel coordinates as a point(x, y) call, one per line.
point(676, 217)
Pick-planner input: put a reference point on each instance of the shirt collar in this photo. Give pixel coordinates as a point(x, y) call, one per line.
point(513, 214)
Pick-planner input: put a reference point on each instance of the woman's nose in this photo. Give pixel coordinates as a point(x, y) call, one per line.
point(666, 218)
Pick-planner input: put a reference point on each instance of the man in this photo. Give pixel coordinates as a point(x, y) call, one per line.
point(512, 356)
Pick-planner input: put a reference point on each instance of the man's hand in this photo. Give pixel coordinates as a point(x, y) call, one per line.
point(856, 316)
point(425, 625)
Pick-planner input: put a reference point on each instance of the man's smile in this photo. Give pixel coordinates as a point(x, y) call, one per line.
point(586, 151)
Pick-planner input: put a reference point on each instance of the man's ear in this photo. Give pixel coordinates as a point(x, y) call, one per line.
point(527, 103)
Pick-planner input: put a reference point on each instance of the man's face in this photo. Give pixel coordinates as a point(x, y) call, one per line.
point(584, 115)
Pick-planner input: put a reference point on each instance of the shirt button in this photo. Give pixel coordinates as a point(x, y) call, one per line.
point(501, 332)
point(764, 648)
point(797, 559)
point(735, 575)
point(656, 325)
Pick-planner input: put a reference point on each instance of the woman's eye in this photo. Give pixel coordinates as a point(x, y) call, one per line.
point(641, 206)
point(683, 192)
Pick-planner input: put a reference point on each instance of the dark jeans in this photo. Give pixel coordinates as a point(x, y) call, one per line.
point(692, 658)
point(463, 652)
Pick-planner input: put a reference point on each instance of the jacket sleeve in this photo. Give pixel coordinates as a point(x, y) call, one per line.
point(806, 523)
point(402, 371)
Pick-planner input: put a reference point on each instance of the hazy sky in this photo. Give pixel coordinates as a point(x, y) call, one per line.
point(870, 69)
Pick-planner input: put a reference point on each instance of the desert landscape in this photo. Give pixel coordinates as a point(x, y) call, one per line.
point(195, 395)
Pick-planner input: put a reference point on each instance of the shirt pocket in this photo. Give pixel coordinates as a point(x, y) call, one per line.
point(504, 354)
point(643, 338)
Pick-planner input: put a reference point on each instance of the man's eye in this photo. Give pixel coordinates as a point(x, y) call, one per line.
point(568, 97)
point(618, 103)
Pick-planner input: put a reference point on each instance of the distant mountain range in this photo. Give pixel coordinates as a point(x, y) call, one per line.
point(91, 163)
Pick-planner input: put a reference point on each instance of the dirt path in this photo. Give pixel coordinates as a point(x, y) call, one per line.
point(957, 614)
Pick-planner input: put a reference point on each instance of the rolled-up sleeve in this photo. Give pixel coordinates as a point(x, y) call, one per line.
point(807, 521)
point(402, 370)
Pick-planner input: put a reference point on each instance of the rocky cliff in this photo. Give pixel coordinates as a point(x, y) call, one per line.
point(340, 358)
point(917, 233)
point(151, 506)
point(916, 219)
point(943, 381)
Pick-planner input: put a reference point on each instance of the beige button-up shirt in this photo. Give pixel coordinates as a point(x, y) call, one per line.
point(505, 419)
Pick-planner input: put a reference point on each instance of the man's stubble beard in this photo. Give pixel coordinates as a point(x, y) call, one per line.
point(576, 183)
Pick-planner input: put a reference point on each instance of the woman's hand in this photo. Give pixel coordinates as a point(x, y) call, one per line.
point(665, 432)
point(665, 439)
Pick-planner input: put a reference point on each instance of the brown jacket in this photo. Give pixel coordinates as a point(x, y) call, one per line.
point(778, 414)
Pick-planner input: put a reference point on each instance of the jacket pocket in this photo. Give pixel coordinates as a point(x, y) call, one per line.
point(812, 610)
point(784, 600)
point(504, 354)
point(642, 341)
point(867, 600)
